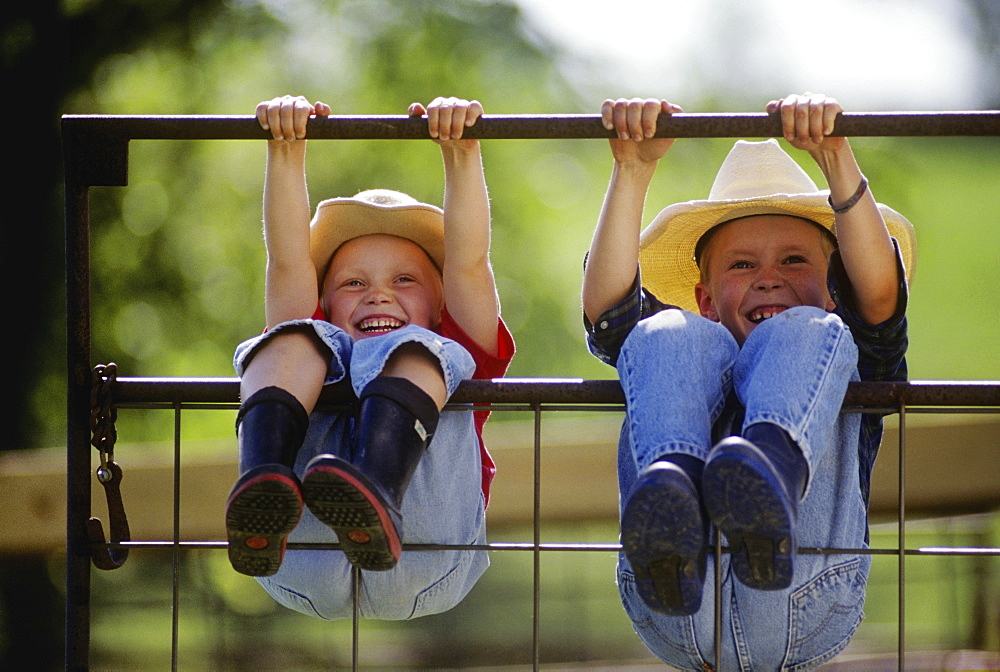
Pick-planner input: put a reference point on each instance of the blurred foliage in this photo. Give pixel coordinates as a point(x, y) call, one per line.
point(177, 257)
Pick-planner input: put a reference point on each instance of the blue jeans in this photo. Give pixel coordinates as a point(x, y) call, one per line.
point(677, 370)
point(443, 503)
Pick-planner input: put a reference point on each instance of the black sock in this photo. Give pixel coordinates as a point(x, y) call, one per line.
point(408, 395)
point(689, 464)
point(784, 453)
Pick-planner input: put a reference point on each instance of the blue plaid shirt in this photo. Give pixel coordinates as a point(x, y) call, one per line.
point(881, 351)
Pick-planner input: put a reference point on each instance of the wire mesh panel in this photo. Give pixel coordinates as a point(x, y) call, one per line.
point(96, 153)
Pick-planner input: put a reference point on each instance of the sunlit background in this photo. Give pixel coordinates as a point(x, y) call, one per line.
point(177, 274)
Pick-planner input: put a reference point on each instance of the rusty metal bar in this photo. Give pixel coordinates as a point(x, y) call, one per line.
point(560, 391)
point(518, 126)
point(78, 450)
point(901, 560)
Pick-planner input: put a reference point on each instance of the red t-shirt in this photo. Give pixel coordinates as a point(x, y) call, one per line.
point(487, 367)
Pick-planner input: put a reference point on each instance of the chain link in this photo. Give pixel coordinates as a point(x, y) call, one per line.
point(102, 417)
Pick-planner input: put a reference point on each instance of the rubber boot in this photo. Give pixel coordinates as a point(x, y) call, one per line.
point(752, 487)
point(361, 499)
point(266, 503)
point(664, 535)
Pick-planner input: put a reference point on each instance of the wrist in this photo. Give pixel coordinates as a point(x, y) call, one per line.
point(286, 149)
point(836, 160)
point(458, 150)
point(636, 170)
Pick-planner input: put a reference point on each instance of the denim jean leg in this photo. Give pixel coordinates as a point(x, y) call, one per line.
point(333, 337)
point(824, 605)
point(793, 371)
point(676, 640)
point(371, 355)
point(676, 370)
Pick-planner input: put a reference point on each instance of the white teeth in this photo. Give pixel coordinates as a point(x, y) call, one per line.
point(379, 324)
point(763, 315)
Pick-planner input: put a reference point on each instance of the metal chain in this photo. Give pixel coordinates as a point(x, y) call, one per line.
point(102, 417)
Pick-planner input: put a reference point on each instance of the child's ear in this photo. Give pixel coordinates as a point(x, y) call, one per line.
point(705, 304)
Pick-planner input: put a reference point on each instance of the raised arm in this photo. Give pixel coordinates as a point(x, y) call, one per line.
point(469, 285)
point(292, 289)
point(865, 246)
point(614, 250)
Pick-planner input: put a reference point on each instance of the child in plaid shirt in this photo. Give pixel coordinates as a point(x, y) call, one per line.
point(735, 324)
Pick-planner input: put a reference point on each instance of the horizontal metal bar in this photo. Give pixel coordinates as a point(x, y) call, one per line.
point(548, 546)
point(559, 391)
point(518, 126)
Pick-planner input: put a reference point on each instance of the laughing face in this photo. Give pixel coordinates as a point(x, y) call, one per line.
point(757, 267)
point(377, 283)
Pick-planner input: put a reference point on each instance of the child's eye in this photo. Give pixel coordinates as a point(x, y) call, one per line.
point(795, 259)
point(405, 278)
point(741, 265)
point(353, 283)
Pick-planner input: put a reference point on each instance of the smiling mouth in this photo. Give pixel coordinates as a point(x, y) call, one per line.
point(378, 325)
point(760, 314)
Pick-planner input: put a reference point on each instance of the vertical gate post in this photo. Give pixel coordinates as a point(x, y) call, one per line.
point(89, 160)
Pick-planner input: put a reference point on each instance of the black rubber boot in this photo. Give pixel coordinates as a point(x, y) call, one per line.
point(266, 502)
point(361, 500)
point(752, 487)
point(664, 535)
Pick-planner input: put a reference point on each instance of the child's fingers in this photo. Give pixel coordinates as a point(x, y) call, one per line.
point(831, 109)
point(277, 115)
point(269, 116)
point(607, 114)
point(667, 107)
point(789, 110)
point(634, 118)
point(286, 118)
point(279, 119)
point(301, 109)
point(464, 113)
point(474, 111)
point(439, 118)
point(806, 119)
point(651, 109)
point(262, 113)
point(619, 118)
point(459, 110)
point(816, 117)
point(447, 118)
point(321, 109)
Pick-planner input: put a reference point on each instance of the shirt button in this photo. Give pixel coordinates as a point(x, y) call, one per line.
point(604, 324)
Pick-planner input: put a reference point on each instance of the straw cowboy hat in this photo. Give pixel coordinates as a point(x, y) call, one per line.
point(338, 220)
point(757, 178)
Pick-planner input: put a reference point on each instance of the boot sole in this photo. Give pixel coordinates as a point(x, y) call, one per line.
point(260, 513)
point(343, 499)
point(663, 537)
point(747, 502)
